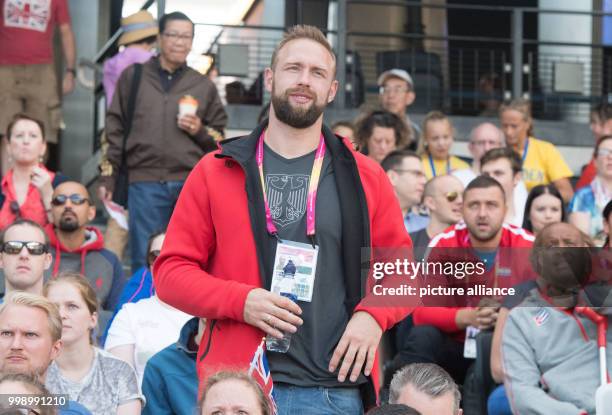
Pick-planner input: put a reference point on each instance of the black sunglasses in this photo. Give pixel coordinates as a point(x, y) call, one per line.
point(15, 247)
point(153, 256)
point(75, 198)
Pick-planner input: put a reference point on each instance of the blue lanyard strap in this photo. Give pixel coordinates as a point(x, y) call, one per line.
point(433, 167)
point(525, 150)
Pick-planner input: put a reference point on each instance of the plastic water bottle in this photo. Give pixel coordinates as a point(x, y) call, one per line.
point(282, 345)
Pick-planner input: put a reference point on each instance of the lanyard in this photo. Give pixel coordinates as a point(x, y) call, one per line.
point(433, 167)
point(525, 150)
point(312, 186)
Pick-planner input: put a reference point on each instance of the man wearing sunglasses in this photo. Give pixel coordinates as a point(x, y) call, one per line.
point(24, 256)
point(443, 198)
point(80, 248)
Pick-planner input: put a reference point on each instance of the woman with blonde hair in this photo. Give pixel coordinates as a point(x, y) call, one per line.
point(234, 392)
point(542, 162)
point(435, 146)
point(101, 382)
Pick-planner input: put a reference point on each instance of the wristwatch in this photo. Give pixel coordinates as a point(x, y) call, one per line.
point(72, 71)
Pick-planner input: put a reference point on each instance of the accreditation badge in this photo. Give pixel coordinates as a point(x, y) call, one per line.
point(297, 261)
point(469, 347)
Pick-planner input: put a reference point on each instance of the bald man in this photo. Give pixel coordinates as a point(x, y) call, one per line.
point(443, 197)
point(483, 137)
point(80, 248)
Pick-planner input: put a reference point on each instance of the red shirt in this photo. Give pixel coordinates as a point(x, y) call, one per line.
point(457, 236)
point(26, 30)
point(587, 176)
point(32, 208)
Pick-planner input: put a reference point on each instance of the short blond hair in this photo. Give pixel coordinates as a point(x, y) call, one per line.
point(36, 301)
point(303, 32)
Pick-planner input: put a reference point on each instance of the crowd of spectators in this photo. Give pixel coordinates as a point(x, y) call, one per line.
point(73, 323)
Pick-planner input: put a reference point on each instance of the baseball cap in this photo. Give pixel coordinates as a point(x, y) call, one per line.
point(396, 73)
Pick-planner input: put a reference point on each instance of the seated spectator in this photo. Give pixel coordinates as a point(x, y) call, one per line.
point(379, 133)
point(586, 208)
point(345, 129)
point(80, 248)
point(443, 198)
point(601, 125)
point(484, 137)
point(542, 162)
point(31, 329)
point(405, 173)
point(20, 384)
point(170, 382)
point(396, 95)
point(82, 371)
point(549, 348)
point(427, 388)
point(553, 235)
point(504, 165)
point(27, 187)
point(140, 285)
point(393, 409)
point(140, 330)
point(544, 206)
point(231, 392)
point(607, 223)
point(24, 256)
point(439, 332)
point(435, 146)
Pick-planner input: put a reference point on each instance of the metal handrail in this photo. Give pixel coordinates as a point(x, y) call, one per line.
point(409, 3)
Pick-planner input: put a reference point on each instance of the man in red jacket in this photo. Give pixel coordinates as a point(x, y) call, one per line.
point(439, 332)
point(238, 218)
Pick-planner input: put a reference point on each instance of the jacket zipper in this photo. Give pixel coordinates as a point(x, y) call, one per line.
point(210, 328)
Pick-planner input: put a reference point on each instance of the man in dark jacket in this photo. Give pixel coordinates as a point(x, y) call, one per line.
point(177, 118)
point(80, 248)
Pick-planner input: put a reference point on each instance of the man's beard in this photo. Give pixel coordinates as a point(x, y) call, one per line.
point(296, 117)
point(68, 224)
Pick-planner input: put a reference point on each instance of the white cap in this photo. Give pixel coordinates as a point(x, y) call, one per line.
point(395, 73)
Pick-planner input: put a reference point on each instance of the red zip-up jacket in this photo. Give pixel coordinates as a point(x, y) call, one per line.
point(213, 254)
point(457, 236)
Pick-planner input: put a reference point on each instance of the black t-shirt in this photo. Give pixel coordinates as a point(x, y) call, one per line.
point(420, 240)
point(326, 317)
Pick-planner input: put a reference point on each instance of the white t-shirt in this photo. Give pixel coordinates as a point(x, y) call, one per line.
point(149, 325)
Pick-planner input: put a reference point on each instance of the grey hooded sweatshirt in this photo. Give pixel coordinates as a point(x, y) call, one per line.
point(551, 359)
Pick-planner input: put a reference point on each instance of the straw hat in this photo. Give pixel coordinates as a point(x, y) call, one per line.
point(137, 26)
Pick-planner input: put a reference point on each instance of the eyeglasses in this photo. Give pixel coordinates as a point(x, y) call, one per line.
point(177, 36)
point(15, 247)
point(75, 198)
point(153, 256)
point(604, 152)
point(416, 173)
point(483, 143)
point(392, 90)
point(452, 196)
